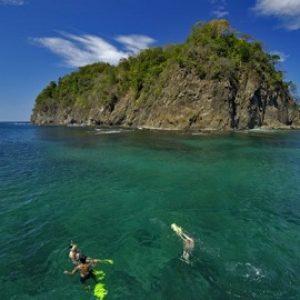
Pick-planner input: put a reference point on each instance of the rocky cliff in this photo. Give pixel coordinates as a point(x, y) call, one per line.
point(217, 79)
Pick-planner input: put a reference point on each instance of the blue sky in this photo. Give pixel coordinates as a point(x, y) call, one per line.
point(44, 39)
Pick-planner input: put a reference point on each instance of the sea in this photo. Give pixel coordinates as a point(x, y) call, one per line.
point(115, 193)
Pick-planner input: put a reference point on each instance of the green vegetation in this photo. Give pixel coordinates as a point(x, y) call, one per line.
point(213, 51)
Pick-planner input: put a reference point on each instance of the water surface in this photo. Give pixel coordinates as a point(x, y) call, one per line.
point(116, 193)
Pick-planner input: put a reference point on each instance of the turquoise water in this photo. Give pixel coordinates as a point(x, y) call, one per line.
point(116, 193)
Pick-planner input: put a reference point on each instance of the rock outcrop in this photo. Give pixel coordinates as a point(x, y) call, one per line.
point(236, 96)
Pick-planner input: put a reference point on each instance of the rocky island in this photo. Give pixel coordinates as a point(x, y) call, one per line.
point(218, 79)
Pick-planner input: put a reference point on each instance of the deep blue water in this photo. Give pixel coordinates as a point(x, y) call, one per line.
point(116, 192)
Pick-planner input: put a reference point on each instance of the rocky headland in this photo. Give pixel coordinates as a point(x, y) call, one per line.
point(218, 79)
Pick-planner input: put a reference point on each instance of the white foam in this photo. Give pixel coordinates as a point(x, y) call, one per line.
point(247, 270)
point(21, 123)
point(104, 131)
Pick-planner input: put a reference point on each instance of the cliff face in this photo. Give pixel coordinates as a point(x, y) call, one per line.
point(178, 96)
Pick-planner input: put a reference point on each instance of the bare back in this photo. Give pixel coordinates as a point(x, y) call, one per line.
point(84, 268)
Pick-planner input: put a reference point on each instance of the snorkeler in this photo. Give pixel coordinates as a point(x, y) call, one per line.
point(188, 243)
point(74, 253)
point(84, 267)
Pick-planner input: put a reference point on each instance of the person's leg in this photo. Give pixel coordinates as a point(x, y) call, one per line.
point(84, 278)
point(185, 255)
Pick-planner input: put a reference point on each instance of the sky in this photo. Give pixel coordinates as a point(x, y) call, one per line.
point(42, 40)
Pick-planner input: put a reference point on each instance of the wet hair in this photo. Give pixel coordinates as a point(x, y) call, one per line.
point(82, 258)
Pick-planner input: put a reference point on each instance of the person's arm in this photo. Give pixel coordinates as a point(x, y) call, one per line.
point(72, 272)
point(185, 237)
point(96, 260)
point(92, 262)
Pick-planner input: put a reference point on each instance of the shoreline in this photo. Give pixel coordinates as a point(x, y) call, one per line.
point(173, 130)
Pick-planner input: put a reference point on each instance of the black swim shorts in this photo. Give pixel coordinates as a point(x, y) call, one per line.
point(86, 277)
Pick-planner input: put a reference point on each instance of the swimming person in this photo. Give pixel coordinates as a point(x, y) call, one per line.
point(188, 243)
point(84, 267)
point(74, 253)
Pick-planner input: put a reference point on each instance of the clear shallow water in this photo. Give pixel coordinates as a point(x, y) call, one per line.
point(116, 194)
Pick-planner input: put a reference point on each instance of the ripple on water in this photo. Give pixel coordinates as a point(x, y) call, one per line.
point(116, 196)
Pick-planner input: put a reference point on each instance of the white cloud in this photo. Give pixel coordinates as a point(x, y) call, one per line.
point(283, 56)
point(220, 12)
point(288, 11)
point(134, 43)
point(80, 50)
point(222, 2)
point(219, 8)
point(12, 2)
